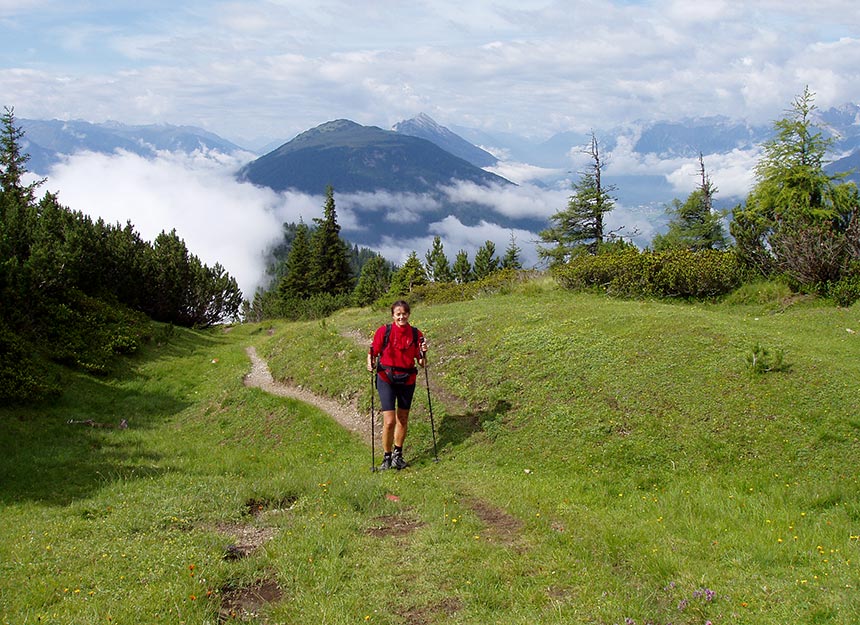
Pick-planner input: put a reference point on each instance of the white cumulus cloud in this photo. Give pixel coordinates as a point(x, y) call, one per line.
point(220, 219)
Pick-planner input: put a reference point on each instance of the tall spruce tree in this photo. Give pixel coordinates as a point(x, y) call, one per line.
point(296, 282)
point(13, 162)
point(462, 268)
point(485, 260)
point(330, 271)
point(438, 267)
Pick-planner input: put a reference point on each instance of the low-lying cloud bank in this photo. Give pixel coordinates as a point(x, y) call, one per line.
point(220, 219)
point(236, 223)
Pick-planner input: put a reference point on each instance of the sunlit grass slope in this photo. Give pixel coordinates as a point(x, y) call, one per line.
point(601, 461)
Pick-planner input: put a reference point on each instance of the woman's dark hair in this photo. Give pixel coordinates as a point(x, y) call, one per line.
point(400, 304)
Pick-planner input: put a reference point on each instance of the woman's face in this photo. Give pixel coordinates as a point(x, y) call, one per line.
point(400, 316)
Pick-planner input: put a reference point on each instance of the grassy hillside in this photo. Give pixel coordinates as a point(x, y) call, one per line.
point(601, 461)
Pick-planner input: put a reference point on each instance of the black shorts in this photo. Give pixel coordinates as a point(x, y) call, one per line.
point(391, 393)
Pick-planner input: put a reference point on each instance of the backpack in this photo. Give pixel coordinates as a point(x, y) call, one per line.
point(397, 375)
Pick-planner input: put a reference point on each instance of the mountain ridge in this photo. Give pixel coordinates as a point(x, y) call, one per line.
point(355, 158)
point(47, 140)
point(425, 127)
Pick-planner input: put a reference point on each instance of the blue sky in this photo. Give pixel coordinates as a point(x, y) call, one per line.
point(263, 71)
point(257, 70)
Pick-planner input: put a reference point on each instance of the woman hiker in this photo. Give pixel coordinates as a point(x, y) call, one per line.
point(398, 346)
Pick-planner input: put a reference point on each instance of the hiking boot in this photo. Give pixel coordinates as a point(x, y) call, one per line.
point(398, 462)
point(386, 463)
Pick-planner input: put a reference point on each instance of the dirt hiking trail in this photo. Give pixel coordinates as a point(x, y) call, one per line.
point(346, 415)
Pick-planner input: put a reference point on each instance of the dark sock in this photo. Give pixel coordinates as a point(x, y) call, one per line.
point(398, 450)
point(387, 454)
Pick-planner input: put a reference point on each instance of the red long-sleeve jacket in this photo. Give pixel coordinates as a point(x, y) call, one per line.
point(401, 351)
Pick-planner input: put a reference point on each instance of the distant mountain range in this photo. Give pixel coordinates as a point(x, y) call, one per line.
point(403, 183)
point(410, 170)
point(46, 141)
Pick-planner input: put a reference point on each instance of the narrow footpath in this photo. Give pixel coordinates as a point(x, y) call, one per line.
point(346, 415)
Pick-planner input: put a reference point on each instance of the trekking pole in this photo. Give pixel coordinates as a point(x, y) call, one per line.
point(430, 407)
point(372, 423)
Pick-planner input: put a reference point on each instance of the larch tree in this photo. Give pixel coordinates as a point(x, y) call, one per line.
point(694, 224)
point(582, 223)
point(799, 219)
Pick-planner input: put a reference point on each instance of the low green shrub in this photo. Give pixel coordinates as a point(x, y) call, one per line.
point(502, 281)
point(846, 290)
point(23, 377)
point(696, 274)
point(675, 273)
point(317, 306)
point(88, 333)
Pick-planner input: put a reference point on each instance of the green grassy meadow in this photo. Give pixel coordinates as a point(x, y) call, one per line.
point(600, 461)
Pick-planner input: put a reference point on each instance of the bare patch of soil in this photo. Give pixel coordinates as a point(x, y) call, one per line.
point(245, 602)
point(559, 593)
point(248, 539)
point(393, 525)
point(500, 525)
point(255, 507)
point(423, 615)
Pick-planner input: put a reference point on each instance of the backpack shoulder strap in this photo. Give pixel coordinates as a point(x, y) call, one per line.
point(385, 337)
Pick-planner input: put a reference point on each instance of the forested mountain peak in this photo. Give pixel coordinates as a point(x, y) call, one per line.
point(356, 158)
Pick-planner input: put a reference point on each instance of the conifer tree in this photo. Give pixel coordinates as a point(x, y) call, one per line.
point(13, 162)
point(799, 219)
point(330, 271)
point(374, 281)
point(410, 275)
point(173, 273)
point(438, 267)
point(296, 283)
point(694, 224)
point(581, 224)
point(485, 260)
point(462, 268)
point(511, 259)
